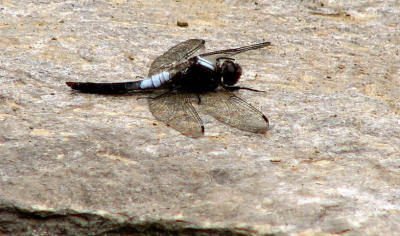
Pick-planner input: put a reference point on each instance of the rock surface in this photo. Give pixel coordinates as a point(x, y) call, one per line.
point(78, 164)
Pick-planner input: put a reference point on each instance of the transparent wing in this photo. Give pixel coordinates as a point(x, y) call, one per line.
point(232, 110)
point(176, 55)
point(234, 51)
point(176, 110)
point(228, 53)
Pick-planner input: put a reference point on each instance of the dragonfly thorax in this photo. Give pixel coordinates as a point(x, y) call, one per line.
point(231, 72)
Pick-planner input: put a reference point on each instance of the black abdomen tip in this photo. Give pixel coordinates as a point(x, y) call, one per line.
point(71, 84)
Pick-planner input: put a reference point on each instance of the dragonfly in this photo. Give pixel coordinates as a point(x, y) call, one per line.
point(182, 76)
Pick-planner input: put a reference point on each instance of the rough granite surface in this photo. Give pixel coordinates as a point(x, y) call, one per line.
point(79, 164)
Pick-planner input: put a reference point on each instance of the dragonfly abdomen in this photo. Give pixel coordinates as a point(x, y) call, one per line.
point(90, 87)
point(155, 81)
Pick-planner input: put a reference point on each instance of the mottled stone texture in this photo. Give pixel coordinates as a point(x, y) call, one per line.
point(81, 164)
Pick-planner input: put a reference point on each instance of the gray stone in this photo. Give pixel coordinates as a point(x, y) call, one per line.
point(78, 164)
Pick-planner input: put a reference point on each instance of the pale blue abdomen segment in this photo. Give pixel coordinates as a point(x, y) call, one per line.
point(155, 81)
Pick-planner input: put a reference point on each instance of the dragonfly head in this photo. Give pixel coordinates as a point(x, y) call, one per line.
point(231, 72)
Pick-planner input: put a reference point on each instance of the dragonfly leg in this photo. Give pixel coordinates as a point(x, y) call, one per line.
point(158, 96)
point(199, 98)
point(234, 88)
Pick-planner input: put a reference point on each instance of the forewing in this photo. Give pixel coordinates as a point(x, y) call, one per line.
point(228, 53)
point(176, 110)
point(176, 55)
point(232, 110)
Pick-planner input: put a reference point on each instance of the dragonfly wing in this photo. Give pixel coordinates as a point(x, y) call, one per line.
point(213, 56)
point(176, 55)
point(232, 110)
point(176, 110)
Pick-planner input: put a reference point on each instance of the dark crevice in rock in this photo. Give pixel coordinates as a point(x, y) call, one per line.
point(21, 221)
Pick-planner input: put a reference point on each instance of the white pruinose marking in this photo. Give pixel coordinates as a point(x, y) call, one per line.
point(205, 63)
point(155, 81)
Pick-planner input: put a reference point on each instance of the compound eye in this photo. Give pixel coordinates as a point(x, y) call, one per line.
point(231, 72)
point(230, 68)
